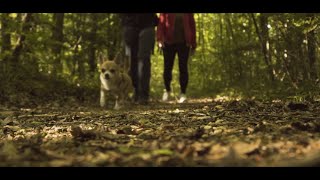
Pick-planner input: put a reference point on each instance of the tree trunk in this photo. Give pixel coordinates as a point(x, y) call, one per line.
point(26, 25)
point(78, 45)
point(57, 37)
point(5, 36)
point(228, 46)
point(92, 48)
point(311, 39)
point(263, 36)
point(239, 69)
point(282, 53)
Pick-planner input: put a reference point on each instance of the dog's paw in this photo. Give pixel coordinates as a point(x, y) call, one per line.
point(117, 107)
point(102, 98)
point(102, 104)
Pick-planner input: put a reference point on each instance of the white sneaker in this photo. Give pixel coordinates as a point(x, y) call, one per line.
point(165, 96)
point(182, 98)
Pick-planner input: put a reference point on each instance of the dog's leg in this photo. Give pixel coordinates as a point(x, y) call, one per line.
point(102, 98)
point(122, 101)
point(127, 60)
point(117, 106)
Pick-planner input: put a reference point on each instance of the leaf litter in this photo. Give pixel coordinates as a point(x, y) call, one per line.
point(198, 133)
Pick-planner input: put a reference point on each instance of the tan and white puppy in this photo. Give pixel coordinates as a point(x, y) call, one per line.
point(116, 81)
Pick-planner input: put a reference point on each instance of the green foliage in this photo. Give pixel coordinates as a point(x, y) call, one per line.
point(230, 58)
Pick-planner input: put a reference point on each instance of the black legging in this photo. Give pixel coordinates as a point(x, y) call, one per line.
point(169, 52)
point(141, 43)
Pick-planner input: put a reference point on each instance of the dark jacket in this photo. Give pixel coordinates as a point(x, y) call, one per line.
point(165, 30)
point(139, 20)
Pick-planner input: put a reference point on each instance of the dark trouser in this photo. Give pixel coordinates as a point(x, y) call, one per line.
point(139, 44)
point(169, 52)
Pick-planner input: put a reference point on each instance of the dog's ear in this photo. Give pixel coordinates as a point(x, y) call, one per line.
point(120, 58)
point(101, 58)
point(117, 60)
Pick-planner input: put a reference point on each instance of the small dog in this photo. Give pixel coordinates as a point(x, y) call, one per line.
point(115, 81)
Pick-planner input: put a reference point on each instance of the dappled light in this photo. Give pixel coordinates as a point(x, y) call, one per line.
point(202, 132)
point(253, 94)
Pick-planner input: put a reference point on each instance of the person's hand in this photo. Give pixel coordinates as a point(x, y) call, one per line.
point(160, 47)
point(192, 51)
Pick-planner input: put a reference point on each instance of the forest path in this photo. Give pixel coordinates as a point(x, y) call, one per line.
point(202, 132)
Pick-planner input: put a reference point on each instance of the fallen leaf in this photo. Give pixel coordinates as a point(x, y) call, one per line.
point(167, 152)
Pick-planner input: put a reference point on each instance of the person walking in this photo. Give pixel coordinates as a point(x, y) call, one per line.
point(176, 34)
point(139, 40)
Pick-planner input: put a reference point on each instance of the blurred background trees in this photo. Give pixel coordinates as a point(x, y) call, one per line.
point(259, 55)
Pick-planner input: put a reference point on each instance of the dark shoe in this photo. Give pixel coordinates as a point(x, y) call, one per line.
point(135, 98)
point(143, 102)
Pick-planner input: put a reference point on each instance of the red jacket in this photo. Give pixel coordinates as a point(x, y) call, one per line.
point(165, 28)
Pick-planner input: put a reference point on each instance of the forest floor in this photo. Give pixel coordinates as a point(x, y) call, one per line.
point(201, 132)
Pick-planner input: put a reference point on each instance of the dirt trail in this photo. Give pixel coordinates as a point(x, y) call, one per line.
point(199, 133)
